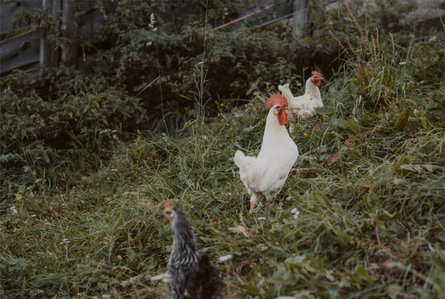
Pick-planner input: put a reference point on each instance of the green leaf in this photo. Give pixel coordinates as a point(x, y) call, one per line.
point(423, 119)
point(17, 264)
point(353, 125)
point(362, 273)
point(420, 168)
point(402, 120)
point(324, 110)
point(339, 123)
point(45, 157)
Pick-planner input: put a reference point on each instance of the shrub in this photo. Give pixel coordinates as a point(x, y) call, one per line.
point(60, 122)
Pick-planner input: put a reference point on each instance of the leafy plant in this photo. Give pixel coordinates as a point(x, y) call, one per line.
point(52, 126)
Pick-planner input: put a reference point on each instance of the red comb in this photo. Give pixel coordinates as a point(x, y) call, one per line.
point(168, 204)
point(317, 74)
point(276, 99)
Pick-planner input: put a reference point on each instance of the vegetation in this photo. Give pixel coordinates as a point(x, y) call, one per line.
point(87, 162)
point(50, 127)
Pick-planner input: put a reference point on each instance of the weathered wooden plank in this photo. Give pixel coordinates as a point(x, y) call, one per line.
point(300, 18)
point(89, 26)
point(176, 9)
point(8, 10)
point(93, 18)
point(69, 31)
point(19, 51)
point(49, 54)
point(86, 5)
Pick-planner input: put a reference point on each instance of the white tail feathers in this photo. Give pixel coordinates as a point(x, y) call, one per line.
point(239, 158)
point(281, 87)
point(243, 162)
point(285, 90)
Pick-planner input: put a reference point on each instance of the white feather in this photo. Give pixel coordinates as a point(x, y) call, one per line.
point(302, 106)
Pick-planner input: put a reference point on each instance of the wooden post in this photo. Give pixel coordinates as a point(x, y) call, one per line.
point(49, 54)
point(300, 18)
point(69, 31)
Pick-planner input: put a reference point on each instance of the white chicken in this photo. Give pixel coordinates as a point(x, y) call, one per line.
point(265, 175)
point(304, 106)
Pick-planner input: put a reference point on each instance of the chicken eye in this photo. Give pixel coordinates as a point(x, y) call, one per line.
point(168, 212)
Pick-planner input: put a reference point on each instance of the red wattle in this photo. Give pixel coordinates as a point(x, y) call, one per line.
point(282, 117)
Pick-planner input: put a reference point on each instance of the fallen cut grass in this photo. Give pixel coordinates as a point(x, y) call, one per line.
point(371, 223)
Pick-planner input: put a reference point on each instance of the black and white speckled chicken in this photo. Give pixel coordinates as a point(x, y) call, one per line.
point(191, 274)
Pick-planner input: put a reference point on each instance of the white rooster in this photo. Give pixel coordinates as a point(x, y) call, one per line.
point(304, 106)
point(264, 175)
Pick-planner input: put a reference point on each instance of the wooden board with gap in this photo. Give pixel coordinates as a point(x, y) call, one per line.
point(19, 51)
point(9, 9)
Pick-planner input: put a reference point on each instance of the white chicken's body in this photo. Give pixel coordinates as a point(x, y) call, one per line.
point(302, 107)
point(265, 175)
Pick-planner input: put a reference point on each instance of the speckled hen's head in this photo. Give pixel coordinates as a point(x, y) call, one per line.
point(169, 212)
point(180, 224)
point(280, 103)
point(316, 78)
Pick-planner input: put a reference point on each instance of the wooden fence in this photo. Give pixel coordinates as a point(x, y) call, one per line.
point(28, 45)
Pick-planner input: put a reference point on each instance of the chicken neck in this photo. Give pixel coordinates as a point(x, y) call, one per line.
point(274, 133)
point(184, 249)
point(312, 90)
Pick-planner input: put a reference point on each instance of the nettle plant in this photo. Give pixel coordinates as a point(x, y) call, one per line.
point(388, 71)
point(175, 50)
point(56, 122)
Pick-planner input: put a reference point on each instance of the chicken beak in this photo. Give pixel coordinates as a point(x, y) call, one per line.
point(165, 218)
point(275, 112)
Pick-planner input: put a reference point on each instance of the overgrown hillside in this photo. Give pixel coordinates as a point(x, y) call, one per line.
point(368, 185)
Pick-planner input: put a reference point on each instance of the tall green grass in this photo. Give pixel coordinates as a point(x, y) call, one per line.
point(371, 224)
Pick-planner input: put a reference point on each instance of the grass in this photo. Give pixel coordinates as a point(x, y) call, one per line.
point(371, 224)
